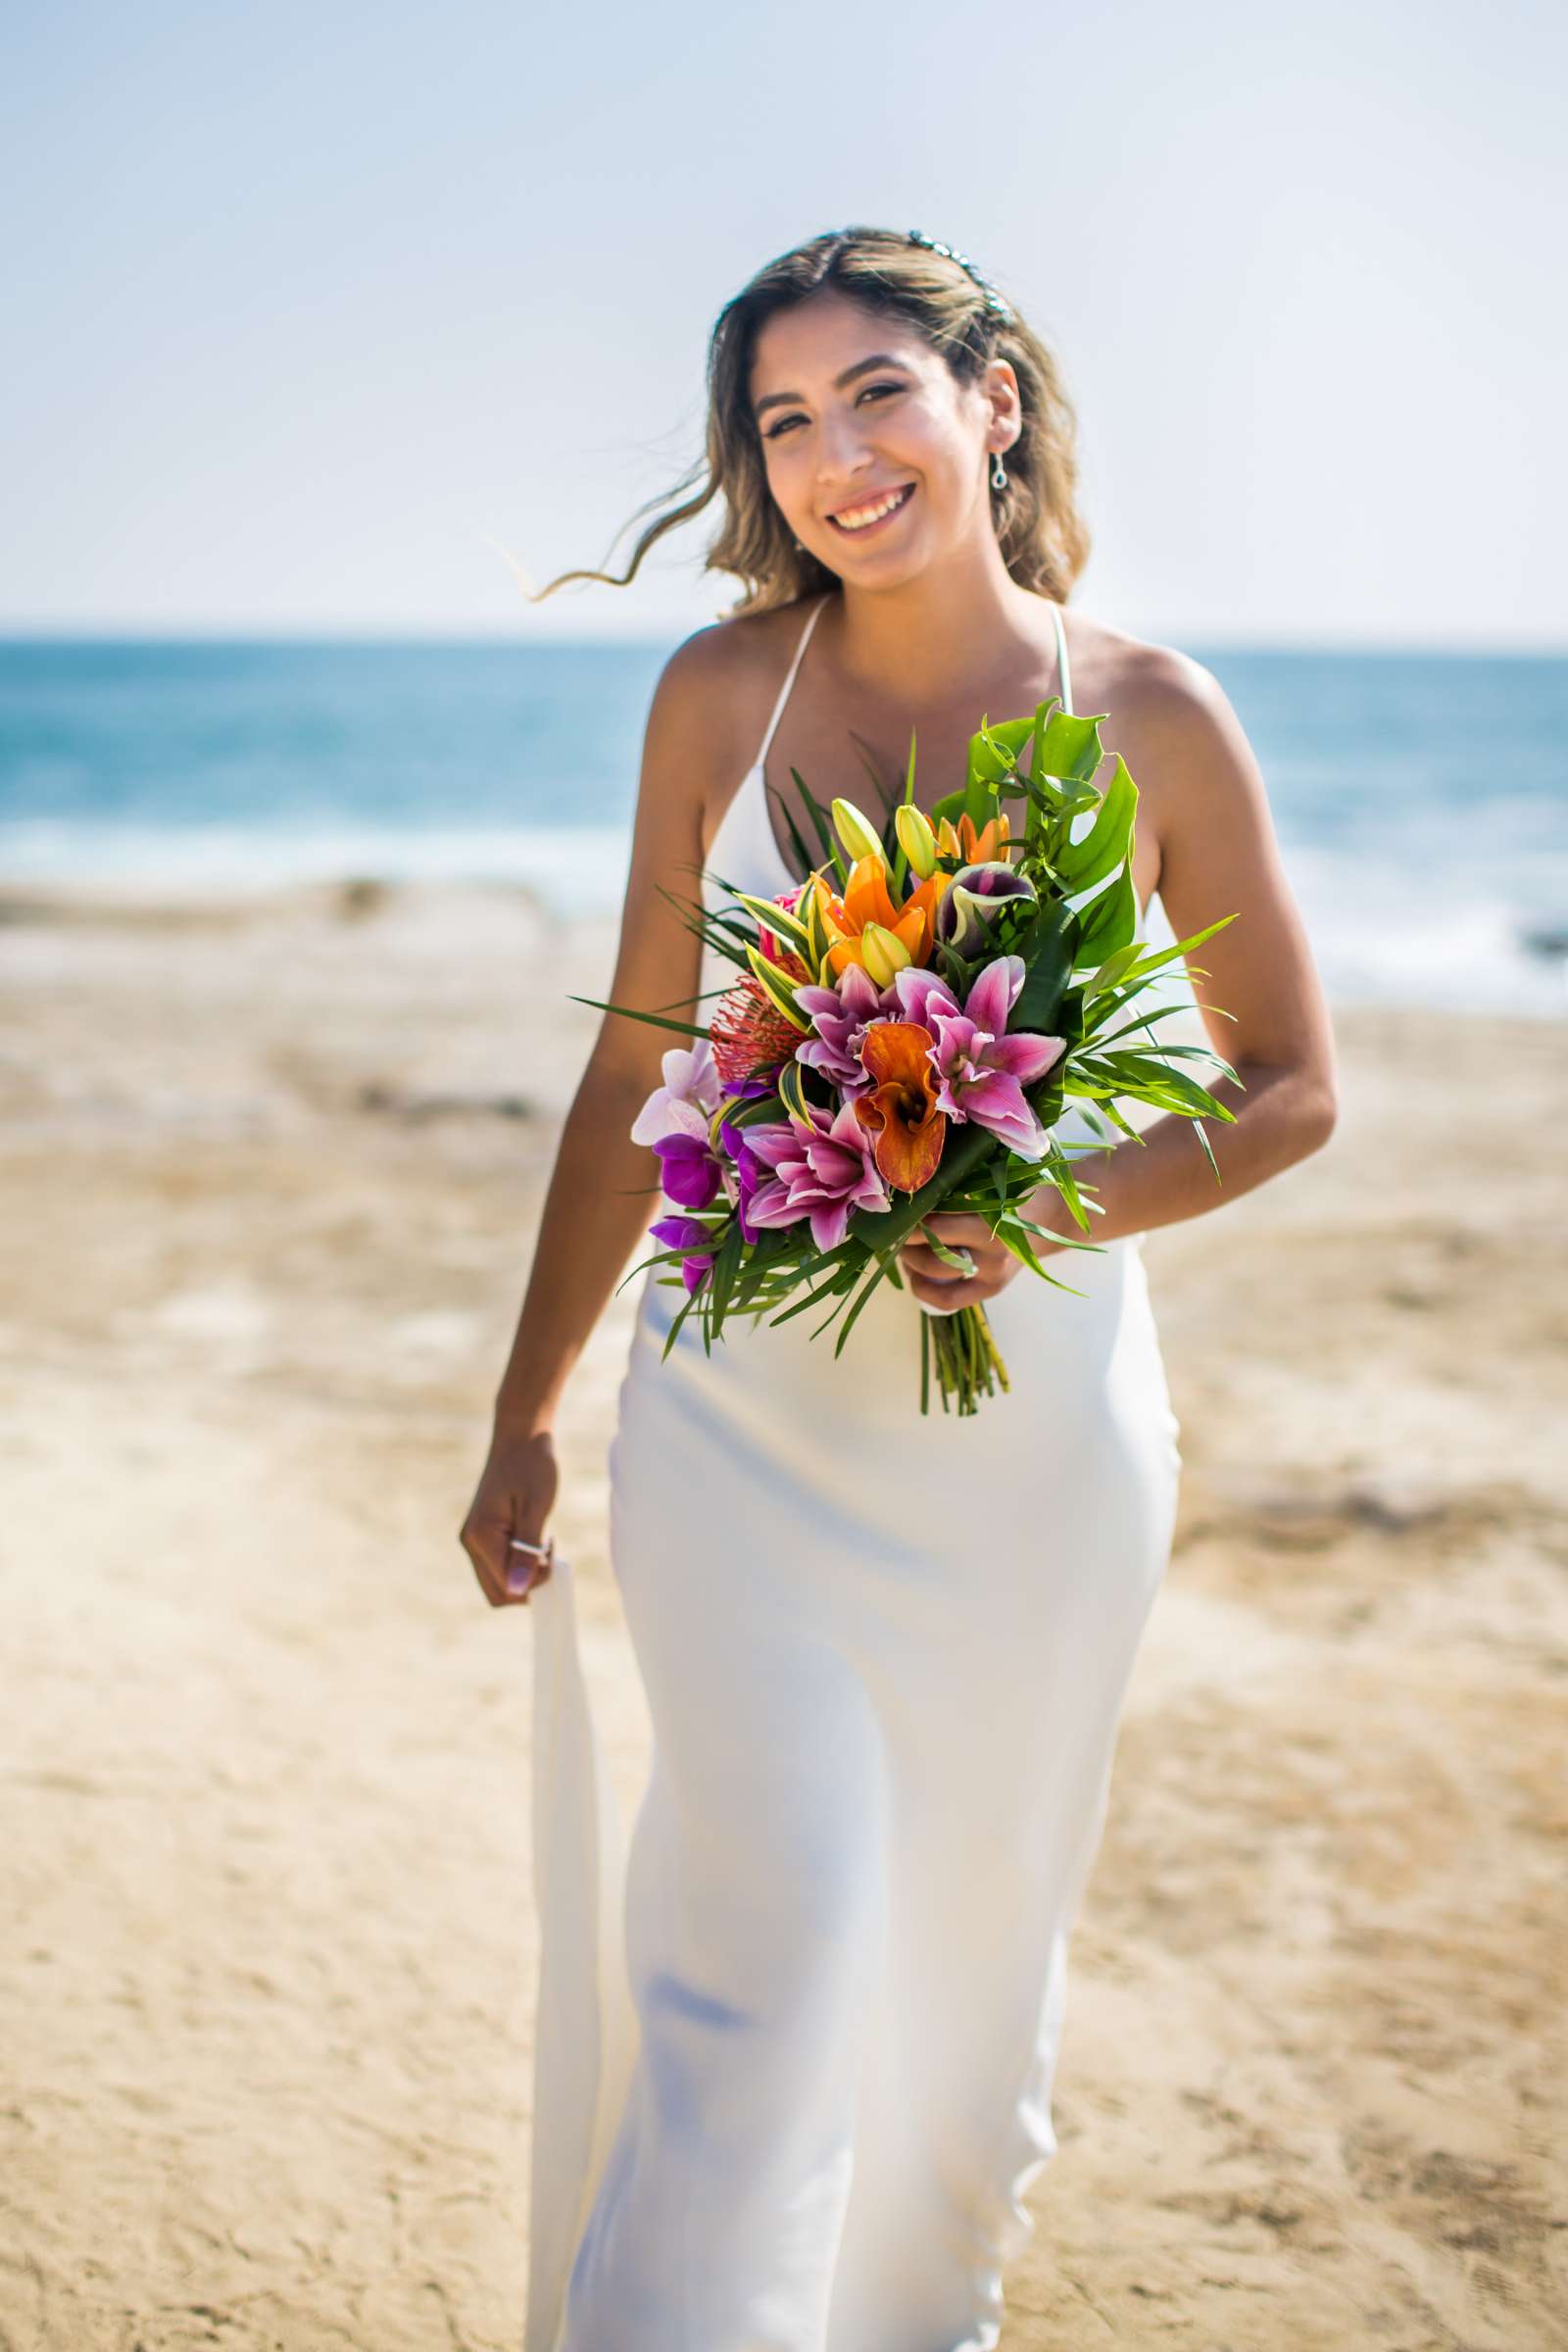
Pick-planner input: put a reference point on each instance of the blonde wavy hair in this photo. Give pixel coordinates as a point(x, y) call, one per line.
point(1042, 536)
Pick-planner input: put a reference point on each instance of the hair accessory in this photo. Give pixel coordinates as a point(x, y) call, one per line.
point(994, 301)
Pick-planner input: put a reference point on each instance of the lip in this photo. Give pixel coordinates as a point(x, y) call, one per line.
point(867, 498)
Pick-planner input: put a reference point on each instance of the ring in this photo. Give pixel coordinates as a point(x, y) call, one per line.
point(517, 1545)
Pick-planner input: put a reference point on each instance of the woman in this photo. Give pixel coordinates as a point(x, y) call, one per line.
point(795, 2063)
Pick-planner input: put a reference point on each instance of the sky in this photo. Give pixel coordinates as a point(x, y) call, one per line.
point(316, 312)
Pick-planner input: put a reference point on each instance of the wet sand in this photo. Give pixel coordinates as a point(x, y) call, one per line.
point(271, 1174)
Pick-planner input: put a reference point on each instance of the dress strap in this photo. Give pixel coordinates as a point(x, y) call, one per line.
point(789, 679)
point(1064, 665)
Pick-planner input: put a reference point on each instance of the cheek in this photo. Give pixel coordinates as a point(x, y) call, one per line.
point(930, 447)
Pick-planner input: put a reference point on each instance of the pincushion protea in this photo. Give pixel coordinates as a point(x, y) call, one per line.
point(748, 1032)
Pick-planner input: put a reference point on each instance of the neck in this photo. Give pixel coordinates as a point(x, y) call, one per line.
point(937, 638)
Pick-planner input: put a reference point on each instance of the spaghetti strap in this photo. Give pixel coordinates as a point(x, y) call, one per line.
point(1063, 667)
point(789, 680)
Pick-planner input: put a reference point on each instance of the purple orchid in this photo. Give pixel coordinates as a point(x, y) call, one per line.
point(840, 1017)
point(983, 1071)
point(691, 1170)
point(750, 1172)
point(688, 1234)
point(674, 1120)
point(820, 1171)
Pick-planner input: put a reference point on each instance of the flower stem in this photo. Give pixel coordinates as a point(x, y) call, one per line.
point(968, 1360)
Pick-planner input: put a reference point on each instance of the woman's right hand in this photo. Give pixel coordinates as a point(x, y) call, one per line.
point(514, 1496)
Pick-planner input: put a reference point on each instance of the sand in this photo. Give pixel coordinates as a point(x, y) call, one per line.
point(270, 1173)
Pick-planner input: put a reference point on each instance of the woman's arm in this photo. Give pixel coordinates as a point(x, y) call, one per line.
point(604, 1189)
point(1218, 854)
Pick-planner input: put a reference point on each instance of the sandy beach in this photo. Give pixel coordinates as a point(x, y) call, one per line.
point(271, 1175)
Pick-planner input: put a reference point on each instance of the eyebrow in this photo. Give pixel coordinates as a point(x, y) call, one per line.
point(878, 359)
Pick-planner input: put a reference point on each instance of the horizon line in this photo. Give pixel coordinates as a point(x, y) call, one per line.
point(1545, 643)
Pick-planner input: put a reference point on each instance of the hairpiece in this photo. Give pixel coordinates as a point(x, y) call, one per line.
point(994, 301)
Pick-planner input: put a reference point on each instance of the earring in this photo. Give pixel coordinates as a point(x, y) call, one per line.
point(998, 473)
point(799, 546)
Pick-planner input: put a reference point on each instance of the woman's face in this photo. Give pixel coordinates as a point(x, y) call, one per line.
point(876, 455)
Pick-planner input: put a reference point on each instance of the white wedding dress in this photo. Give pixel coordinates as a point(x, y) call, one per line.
point(796, 2047)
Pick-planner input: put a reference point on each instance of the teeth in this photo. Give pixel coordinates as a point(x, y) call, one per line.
point(855, 518)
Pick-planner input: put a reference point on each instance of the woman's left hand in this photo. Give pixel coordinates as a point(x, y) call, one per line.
point(937, 1284)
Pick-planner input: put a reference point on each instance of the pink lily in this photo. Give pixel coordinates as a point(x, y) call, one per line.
point(839, 1017)
point(820, 1171)
point(983, 1070)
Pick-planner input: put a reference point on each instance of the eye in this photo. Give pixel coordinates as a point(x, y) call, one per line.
point(886, 385)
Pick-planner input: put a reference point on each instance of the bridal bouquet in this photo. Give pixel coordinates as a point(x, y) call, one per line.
point(905, 1030)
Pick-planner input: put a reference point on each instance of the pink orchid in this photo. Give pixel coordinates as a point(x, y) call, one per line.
point(983, 1070)
point(820, 1171)
point(687, 1099)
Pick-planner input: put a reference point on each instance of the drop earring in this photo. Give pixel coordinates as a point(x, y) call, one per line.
point(998, 473)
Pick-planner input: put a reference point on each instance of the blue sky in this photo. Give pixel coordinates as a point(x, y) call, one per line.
point(314, 305)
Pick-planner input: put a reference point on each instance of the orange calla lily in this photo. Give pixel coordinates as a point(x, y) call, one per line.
point(901, 1108)
point(975, 848)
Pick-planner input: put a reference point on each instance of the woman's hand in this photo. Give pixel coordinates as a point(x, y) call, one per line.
point(514, 1496)
point(937, 1284)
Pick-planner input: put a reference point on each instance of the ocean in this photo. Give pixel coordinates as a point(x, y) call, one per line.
point(1421, 799)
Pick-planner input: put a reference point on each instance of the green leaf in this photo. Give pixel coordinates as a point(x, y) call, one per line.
point(1106, 1010)
point(692, 1297)
point(1209, 1151)
point(778, 919)
point(655, 1020)
point(832, 854)
point(1110, 921)
point(791, 1093)
point(756, 1268)
point(1011, 1238)
point(1154, 959)
point(778, 987)
point(802, 855)
point(1108, 840)
point(840, 1280)
point(1114, 967)
point(722, 1279)
point(1050, 949)
point(1058, 1171)
point(1070, 748)
point(877, 1272)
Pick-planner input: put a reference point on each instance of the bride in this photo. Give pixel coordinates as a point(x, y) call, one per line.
point(795, 2050)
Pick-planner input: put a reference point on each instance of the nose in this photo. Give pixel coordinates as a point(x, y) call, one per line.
point(842, 455)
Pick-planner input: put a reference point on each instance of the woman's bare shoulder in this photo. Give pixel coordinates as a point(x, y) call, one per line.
point(1149, 690)
point(737, 652)
point(717, 688)
point(1164, 712)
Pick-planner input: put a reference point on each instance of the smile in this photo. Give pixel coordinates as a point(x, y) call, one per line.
point(857, 522)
